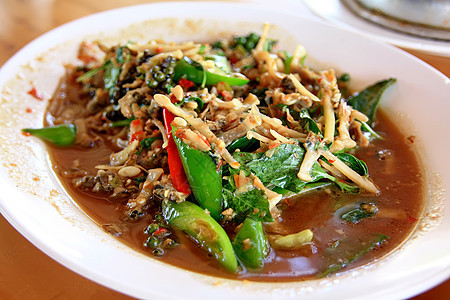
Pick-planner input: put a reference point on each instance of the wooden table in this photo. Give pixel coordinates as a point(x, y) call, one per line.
point(26, 272)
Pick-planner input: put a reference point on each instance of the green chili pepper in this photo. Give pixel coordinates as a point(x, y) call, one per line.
point(203, 175)
point(250, 244)
point(60, 135)
point(203, 229)
point(195, 73)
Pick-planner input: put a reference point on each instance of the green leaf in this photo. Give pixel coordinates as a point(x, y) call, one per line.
point(346, 251)
point(252, 203)
point(147, 143)
point(356, 164)
point(281, 167)
point(367, 100)
point(191, 99)
point(111, 76)
point(308, 123)
point(364, 210)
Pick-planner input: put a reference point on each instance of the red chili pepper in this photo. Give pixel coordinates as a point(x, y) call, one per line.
point(36, 94)
point(29, 110)
point(274, 145)
point(159, 231)
point(412, 219)
point(173, 99)
point(219, 165)
point(138, 135)
point(185, 84)
point(179, 179)
point(136, 123)
point(159, 50)
point(226, 95)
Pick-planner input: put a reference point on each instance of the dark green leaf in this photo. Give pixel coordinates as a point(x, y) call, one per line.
point(243, 144)
point(363, 211)
point(347, 251)
point(354, 163)
point(308, 123)
point(367, 100)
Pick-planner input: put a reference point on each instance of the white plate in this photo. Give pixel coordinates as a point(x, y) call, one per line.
point(35, 203)
point(337, 13)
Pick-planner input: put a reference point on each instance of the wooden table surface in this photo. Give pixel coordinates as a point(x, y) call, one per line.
point(26, 272)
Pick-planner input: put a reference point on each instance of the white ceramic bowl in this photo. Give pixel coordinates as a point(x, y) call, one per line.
point(33, 200)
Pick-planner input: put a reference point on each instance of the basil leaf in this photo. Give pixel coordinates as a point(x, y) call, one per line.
point(252, 203)
point(308, 123)
point(356, 164)
point(367, 100)
point(346, 251)
point(111, 76)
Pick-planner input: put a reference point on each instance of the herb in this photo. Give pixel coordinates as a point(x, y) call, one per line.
point(122, 123)
point(252, 203)
point(308, 123)
point(367, 100)
point(356, 164)
point(344, 252)
point(281, 167)
point(344, 77)
point(147, 143)
point(287, 62)
point(191, 99)
point(111, 76)
point(363, 211)
point(365, 127)
point(243, 144)
point(89, 74)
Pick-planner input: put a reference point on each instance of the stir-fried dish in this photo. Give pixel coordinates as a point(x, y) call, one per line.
point(232, 158)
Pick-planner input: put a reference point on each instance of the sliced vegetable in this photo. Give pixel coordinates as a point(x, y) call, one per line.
point(291, 241)
point(250, 244)
point(60, 135)
point(180, 182)
point(367, 100)
point(343, 252)
point(221, 62)
point(195, 72)
point(203, 175)
point(203, 229)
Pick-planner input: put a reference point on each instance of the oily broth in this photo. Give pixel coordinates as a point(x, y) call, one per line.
point(400, 206)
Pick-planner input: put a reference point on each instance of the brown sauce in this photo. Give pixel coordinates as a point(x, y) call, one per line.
point(392, 165)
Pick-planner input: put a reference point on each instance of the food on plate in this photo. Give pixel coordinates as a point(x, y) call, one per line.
point(233, 158)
